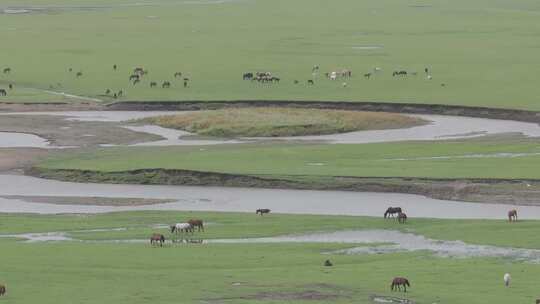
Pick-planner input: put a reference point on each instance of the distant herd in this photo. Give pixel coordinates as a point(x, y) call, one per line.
point(137, 75)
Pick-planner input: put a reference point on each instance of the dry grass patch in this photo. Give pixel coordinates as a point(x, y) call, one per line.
point(274, 122)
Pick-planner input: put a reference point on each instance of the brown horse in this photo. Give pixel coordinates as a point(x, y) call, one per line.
point(196, 223)
point(2, 290)
point(398, 282)
point(157, 238)
point(262, 211)
point(402, 218)
point(512, 215)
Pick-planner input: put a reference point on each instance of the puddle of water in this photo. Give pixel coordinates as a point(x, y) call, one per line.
point(400, 242)
point(492, 155)
point(20, 140)
point(223, 199)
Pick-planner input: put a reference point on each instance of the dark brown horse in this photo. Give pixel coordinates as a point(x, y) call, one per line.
point(2, 290)
point(398, 282)
point(402, 218)
point(391, 211)
point(157, 238)
point(512, 215)
point(196, 223)
point(262, 211)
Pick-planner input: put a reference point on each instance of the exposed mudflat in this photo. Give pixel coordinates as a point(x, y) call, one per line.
point(106, 129)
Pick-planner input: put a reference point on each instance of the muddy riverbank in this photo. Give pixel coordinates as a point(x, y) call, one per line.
point(495, 191)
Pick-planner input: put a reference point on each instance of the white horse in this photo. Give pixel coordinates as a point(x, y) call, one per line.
point(182, 227)
point(506, 279)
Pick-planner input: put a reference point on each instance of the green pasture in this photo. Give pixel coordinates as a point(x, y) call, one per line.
point(482, 158)
point(484, 51)
point(90, 272)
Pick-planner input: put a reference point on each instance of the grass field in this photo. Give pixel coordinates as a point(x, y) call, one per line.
point(84, 272)
point(269, 122)
point(485, 158)
point(483, 50)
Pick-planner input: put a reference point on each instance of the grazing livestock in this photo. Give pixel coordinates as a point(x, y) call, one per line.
point(429, 77)
point(426, 70)
point(512, 215)
point(2, 290)
point(315, 68)
point(262, 211)
point(506, 279)
point(391, 211)
point(157, 238)
point(177, 74)
point(185, 83)
point(196, 223)
point(120, 93)
point(367, 75)
point(402, 218)
point(398, 282)
point(138, 71)
point(153, 84)
point(166, 84)
point(399, 73)
point(247, 76)
point(134, 77)
point(181, 228)
point(10, 86)
point(107, 92)
point(310, 82)
point(296, 81)
point(7, 70)
point(70, 70)
point(327, 263)
point(115, 96)
point(114, 67)
point(79, 74)
point(3, 92)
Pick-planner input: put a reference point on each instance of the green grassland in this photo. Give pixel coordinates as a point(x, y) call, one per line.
point(460, 159)
point(83, 272)
point(485, 51)
point(272, 122)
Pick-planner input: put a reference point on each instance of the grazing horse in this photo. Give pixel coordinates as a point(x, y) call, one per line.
point(512, 215)
point(367, 75)
point(3, 92)
point(262, 211)
point(399, 73)
point(426, 70)
point(7, 70)
point(310, 82)
point(79, 74)
point(166, 84)
point(177, 74)
point(402, 218)
point(181, 227)
point(327, 263)
point(2, 290)
point(114, 67)
point(134, 77)
point(10, 86)
point(391, 211)
point(153, 84)
point(247, 76)
point(506, 279)
point(398, 282)
point(196, 223)
point(157, 238)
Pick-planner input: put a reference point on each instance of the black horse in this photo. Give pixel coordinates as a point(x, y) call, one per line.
point(166, 84)
point(247, 76)
point(391, 211)
point(262, 211)
point(310, 82)
point(153, 84)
